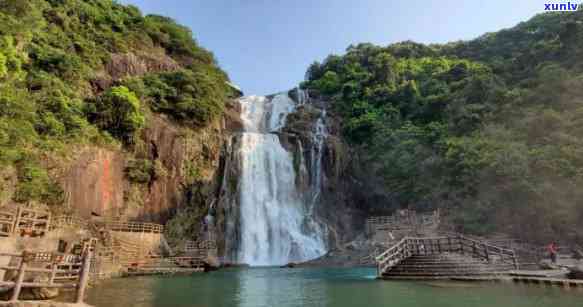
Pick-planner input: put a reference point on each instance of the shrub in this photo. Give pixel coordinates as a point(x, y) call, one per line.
point(118, 112)
point(195, 97)
point(145, 170)
point(140, 170)
point(34, 184)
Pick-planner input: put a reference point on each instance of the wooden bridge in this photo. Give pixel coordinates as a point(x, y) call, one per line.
point(444, 257)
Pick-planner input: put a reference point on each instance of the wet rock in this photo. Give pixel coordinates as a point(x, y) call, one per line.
point(212, 262)
point(233, 122)
point(548, 265)
point(576, 272)
point(302, 121)
point(235, 265)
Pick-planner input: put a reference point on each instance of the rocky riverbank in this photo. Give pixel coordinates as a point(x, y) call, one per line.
point(358, 253)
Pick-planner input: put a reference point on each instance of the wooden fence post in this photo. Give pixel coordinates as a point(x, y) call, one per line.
point(19, 278)
point(515, 261)
point(84, 276)
point(461, 242)
point(16, 227)
point(54, 267)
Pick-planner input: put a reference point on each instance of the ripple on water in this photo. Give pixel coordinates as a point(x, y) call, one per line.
point(313, 287)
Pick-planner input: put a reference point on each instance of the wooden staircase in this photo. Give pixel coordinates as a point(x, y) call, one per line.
point(444, 257)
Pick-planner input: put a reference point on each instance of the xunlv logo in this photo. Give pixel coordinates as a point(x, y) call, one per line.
point(561, 6)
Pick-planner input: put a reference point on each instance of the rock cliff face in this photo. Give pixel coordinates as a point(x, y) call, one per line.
point(96, 182)
point(91, 182)
point(339, 195)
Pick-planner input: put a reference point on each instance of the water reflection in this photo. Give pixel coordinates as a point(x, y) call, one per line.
point(274, 287)
point(266, 287)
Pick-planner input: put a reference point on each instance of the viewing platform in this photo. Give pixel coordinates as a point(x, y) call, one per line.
point(459, 258)
point(443, 258)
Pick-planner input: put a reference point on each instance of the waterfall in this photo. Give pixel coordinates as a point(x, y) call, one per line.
point(276, 223)
point(302, 96)
point(318, 137)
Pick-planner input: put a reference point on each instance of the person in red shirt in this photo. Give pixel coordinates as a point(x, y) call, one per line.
point(553, 249)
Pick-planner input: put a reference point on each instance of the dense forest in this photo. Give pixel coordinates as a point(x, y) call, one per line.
point(78, 72)
point(490, 130)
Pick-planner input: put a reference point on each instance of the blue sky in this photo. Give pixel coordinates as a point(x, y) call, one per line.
point(266, 45)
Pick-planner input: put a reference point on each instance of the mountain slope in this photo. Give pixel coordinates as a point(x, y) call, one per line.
point(488, 130)
point(105, 110)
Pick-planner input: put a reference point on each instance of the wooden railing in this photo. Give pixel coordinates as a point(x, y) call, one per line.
point(410, 246)
point(116, 225)
point(409, 221)
point(161, 262)
point(24, 221)
point(199, 248)
point(393, 256)
point(64, 221)
point(68, 221)
point(29, 262)
point(7, 220)
point(196, 245)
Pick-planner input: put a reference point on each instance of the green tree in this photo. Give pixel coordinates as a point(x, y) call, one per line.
point(118, 111)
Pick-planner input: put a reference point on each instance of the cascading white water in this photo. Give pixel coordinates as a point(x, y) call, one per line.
point(302, 96)
point(318, 137)
point(276, 223)
point(281, 105)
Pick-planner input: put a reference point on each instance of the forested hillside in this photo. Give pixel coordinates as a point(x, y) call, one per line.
point(490, 130)
point(77, 73)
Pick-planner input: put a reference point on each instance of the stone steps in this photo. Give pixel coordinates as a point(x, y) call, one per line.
point(484, 277)
point(445, 265)
point(448, 274)
point(450, 267)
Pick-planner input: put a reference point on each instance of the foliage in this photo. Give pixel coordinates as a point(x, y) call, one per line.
point(118, 112)
point(195, 97)
point(182, 225)
point(55, 88)
point(140, 170)
point(487, 129)
point(35, 184)
point(144, 170)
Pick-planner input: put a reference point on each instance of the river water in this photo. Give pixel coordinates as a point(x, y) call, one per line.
point(274, 287)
